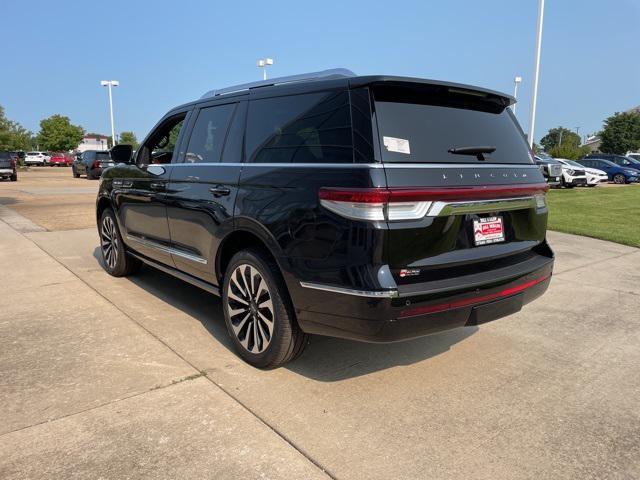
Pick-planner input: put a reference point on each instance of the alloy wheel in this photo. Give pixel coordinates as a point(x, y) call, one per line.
point(109, 242)
point(250, 308)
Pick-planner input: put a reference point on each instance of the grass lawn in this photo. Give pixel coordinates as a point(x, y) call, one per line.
point(609, 213)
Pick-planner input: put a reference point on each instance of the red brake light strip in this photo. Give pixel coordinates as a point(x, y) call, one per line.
point(465, 302)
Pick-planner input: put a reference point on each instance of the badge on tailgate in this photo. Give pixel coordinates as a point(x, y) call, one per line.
point(488, 230)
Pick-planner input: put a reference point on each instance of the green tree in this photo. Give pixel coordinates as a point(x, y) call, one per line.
point(560, 136)
point(129, 138)
point(57, 133)
point(570, 152)
point(13, 136)
point(621, 133)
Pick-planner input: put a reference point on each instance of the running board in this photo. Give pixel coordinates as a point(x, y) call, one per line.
point(178, 274)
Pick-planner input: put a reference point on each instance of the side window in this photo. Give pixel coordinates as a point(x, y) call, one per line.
point(208, 135)
point(161, 144)
point(309, 128)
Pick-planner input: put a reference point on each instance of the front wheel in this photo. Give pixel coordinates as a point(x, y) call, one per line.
point(115, 259)
point(258, 312)
point(619, 179)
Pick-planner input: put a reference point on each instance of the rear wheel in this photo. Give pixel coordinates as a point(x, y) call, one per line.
point(75, 174)
point(115, 259)
point(89, 175)
point(14, 177)
point(619, 178)
point(258, 312)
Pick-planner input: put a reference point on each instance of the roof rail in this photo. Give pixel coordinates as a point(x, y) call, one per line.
point(302, 77)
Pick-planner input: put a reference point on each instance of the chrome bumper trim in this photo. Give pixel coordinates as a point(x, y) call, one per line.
point(349, 291)
point(443, 208)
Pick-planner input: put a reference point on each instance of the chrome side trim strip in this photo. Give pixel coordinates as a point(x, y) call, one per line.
point(165, 249)
point(178, 274)
point(362, 165)
point(349, 291)
point(443, 208)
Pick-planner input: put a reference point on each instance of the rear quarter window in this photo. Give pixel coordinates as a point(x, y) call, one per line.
point(307, 128)
point(416, 126)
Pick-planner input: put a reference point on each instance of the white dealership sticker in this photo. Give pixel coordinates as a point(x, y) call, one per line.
point(400, 145)
point(488, 230)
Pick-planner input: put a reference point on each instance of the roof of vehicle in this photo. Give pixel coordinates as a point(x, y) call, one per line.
point(339, 78)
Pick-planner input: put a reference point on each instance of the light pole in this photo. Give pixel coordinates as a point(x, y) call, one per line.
point(109, 84)
point(516, 82)
point(536, 72)
point(263, 63)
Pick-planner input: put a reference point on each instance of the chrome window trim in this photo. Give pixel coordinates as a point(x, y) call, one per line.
point(165, 249)
point(349, 291)
point(359, 165)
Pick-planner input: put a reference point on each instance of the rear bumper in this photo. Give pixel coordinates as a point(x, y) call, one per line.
point(7, 171)
point(409, 313)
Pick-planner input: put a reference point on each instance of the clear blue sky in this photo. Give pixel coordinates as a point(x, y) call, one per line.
point(169, 52)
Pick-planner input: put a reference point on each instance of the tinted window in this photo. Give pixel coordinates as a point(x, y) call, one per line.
point(103, 156)
point(310, 128)
point(209, 131)
point(4, 155)
point(421, 125)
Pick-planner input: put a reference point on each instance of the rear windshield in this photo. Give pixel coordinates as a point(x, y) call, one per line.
point(4, 155)
point(422, 126)
point(103, 156)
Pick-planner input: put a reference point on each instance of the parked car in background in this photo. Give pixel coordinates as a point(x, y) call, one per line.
point(551, 170)
point(8, 169)
point(60, 160)
point(308, 215)
point(91, 163)
point(36, 158)
point(594, 176)
point(569, 176)
point(616, 173)
point(634, 155)
point(20, 154)
point(620, 160)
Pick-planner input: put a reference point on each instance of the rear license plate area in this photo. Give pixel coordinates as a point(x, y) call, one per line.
point(488, 230)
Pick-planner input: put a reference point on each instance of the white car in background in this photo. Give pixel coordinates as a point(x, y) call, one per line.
point(594, 176)
point(36, 158)
point(634, 155)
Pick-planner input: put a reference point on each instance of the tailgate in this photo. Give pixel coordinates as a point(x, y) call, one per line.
point(464, 157)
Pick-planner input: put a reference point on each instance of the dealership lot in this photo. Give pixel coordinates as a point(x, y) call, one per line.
point(135, 377)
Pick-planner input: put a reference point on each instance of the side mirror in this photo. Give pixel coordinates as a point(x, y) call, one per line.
point(121, 153)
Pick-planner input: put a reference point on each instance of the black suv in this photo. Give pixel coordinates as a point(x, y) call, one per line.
point(374, 208)
point(91, 163)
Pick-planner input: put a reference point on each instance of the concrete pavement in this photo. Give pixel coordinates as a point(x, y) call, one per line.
point(135, 378)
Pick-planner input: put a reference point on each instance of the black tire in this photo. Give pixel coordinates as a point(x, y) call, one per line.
point(567, 185)
point(619, 178)
point(75, 174)
point(14, 177)
point(249, 328)
point(89, 175)
point(115, 259)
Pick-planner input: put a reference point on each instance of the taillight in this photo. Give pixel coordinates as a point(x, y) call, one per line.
point(393, 204)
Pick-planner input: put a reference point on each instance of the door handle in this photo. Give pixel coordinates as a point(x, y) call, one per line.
point(220, 191)
point(157, 186)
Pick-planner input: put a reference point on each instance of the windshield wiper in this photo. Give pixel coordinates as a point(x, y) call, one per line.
point(477, 151)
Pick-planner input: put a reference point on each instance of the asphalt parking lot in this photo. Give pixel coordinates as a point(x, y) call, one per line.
point(135, 377)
